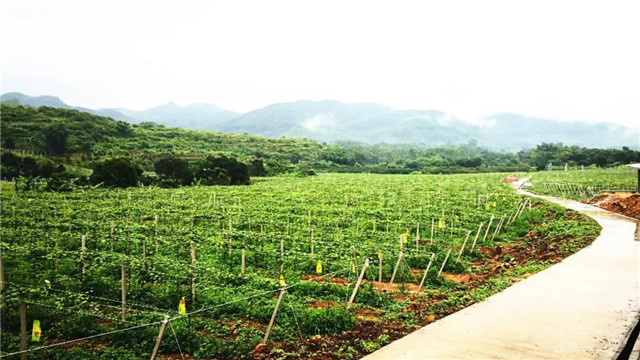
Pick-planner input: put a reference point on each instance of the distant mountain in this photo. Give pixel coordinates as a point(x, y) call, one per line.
point(195, 116)
point(55, 102)
point(17, 98)
point(318, 120)
point(524, 131)
point(333, 121)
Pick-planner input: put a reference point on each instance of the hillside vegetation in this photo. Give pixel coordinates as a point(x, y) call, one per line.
point(78, 138)
point(370, 123)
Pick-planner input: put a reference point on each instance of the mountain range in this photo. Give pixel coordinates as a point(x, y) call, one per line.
point(333, 121)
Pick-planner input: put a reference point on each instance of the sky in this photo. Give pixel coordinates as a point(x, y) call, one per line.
point(567, 60)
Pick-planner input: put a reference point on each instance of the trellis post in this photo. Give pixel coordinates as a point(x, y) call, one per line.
point(163, 328)
point(355, 289)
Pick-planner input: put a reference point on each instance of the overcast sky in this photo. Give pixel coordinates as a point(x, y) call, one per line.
point(572, 60)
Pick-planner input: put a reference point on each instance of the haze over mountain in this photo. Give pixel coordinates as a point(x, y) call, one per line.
point(333, 121)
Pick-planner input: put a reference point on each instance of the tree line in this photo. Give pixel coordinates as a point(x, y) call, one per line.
point(178, 157)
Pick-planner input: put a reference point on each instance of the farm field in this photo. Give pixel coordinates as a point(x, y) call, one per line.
point(100, 269)
point(584, 184)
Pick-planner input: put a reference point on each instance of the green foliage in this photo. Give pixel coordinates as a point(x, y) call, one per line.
point(118, 172)
point(220, 168)
point(174, 168)
point(90, 137)
point(150, 230)
point(256, 167)
point(333, 320)
point(55, 136)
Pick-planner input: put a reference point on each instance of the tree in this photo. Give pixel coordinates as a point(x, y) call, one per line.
point(118, 172)
point(215, 176)
point(236, 171)
point(174, 168)
point(256, 167)
point(56, 138)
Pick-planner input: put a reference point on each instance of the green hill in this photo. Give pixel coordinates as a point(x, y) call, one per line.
point(93, 137)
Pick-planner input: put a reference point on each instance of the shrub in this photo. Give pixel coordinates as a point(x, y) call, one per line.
point(118, 172)
point(210, 171)
point(175, 169)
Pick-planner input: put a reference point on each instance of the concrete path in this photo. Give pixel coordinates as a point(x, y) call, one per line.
point(584, 307)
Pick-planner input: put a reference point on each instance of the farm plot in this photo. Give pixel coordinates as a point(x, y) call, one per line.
point(583, 185)
point(103, 273)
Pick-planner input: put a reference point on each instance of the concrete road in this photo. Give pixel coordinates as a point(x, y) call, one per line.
point(581, 308)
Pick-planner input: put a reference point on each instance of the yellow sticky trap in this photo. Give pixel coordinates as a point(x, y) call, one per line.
point(353, 268)
point(182, 307)
point(441, 224)
point(36, 331)
point(319, 267)
point(494, 204)
point(281, 280)
point(404, 238)
point(379, 254)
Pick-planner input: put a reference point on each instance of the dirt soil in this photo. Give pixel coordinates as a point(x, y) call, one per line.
point(626, 203)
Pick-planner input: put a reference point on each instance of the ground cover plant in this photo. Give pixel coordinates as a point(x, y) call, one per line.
point(584, 184)
point(101, 268)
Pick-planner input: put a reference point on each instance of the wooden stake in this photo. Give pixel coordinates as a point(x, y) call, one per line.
point(193, 276)
point(498, 227)
point(395, 270)
point(355, 290)
point(123, 291)
point(242, 264)
point(464, 243)
point(433, 255)
point(163, 328)
point(444, 262)
point(111, 237)
point(281, 256)
point(432, 226)
point(477, 234)
point(380, 254)
point(273, 316)
point(312, 254)
point(83, 249)
point(23, 329)
point(487, 231)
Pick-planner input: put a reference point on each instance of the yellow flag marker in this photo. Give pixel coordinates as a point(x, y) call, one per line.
point(282, 283)
point(441, 224)
point(319, 267)
point(36, 331)
point(404, 238)
point(182, 307)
